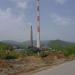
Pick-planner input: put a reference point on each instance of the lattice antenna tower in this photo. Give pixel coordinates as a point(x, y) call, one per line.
point(38, 22)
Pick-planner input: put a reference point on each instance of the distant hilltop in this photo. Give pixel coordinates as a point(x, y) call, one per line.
point(44, 43)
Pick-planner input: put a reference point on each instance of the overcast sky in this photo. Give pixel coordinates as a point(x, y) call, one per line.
point(57, 19)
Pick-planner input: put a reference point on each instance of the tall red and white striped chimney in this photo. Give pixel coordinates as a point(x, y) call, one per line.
point(38, 22)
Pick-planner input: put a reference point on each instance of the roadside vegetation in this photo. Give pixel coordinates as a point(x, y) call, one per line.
point(7, 51)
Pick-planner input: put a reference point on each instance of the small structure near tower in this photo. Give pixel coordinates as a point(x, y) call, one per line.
point(31, 36)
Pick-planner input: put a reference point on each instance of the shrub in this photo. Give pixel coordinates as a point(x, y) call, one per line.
point(43, 54)
point(10, 57)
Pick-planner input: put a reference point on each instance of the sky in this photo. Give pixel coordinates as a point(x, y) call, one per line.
point(57, 19)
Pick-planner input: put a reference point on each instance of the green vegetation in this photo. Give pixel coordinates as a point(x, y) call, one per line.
point(4, 46)
point(58, 46)
point(10, 57)
point(4, 54)
point(65, 47)
point(69, 51)
point(43, 54)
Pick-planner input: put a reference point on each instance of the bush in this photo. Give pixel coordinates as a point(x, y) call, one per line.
point(43, 54)
point(10, 57)
point(69, 51)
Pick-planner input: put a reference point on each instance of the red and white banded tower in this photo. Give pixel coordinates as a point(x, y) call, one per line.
point(38, 22)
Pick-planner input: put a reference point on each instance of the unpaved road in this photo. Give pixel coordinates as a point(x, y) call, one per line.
point(63, 69)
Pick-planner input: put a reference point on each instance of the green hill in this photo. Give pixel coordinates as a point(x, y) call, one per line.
point(59, 44)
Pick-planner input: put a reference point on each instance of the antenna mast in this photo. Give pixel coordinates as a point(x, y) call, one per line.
point(38, 22)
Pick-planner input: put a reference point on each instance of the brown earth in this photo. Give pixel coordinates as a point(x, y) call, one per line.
point(29, 63)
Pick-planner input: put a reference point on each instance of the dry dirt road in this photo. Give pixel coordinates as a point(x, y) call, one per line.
point(67, 68)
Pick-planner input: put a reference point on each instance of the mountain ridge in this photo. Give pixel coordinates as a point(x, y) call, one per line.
point(44, 43)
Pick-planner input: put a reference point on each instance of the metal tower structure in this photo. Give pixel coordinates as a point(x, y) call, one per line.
point(38, 22)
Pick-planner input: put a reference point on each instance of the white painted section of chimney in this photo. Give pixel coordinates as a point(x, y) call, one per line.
point(38, 22)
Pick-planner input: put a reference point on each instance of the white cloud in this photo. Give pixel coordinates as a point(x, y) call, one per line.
point(22, 4)
point(12, 27)
point(19, 7)
point(61, 20)
point(61, 1)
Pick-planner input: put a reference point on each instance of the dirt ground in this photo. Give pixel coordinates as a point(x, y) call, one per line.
point(29, 64)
